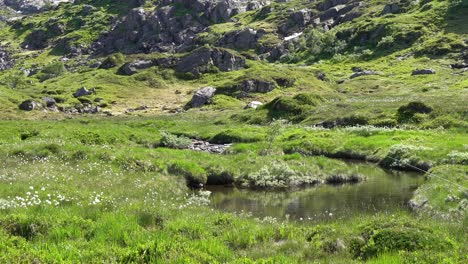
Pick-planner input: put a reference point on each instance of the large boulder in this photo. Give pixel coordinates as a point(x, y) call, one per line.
point(205, 59)
point(202, 96)
point(131, 68)
point(83, 92)
point(29, 105)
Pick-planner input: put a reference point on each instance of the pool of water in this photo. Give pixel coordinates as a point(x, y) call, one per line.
point(383, 191)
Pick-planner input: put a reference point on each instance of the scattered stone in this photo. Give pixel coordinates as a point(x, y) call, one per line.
point(462, 65)
point(199, 145)
point(202, 96)
point(340, 245)
point(321, 76)
point(253, 105)
point(6, 62)
point(285, 82)
point(30, 105)
point(451, 198)
point(83, 92)
point(140, 108)
point(423, 72)
point(363, 73)
point(418, 204)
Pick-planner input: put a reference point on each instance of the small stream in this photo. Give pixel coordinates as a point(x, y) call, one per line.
point(383, 191)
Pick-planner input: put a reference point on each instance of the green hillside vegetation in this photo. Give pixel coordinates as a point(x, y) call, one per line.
point(111, 176)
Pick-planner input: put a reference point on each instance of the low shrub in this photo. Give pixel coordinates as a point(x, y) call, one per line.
point(169, 140)
point(377, 238)
point(276, 175)
point(341, 178)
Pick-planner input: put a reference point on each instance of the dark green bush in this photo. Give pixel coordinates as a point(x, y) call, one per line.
point(285, 106)
point(234, 136)
point(353, 120)
point(28, 134)
point(406, 113)
point(52, 70)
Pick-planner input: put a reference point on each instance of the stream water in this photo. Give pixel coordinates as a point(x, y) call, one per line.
point(383, 191)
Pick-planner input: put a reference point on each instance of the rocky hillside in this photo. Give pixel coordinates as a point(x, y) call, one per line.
point(331, 62)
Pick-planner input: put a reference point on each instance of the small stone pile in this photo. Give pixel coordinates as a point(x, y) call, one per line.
point(199, 145)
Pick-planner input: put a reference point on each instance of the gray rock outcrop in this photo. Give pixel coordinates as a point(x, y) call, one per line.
point(204, 59)
point(172, 27)
point(33, 6)
point(257, 86)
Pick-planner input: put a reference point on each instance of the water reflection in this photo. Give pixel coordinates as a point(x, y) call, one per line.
point(384, 191)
